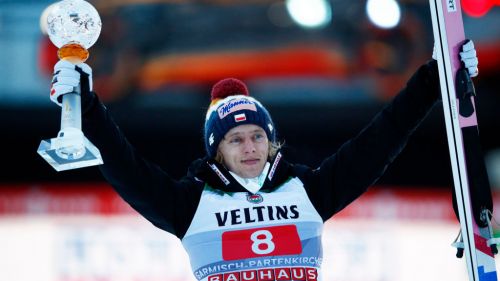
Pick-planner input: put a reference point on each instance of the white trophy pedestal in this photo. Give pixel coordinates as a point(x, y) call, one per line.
point(70, 149)
point(69, 152)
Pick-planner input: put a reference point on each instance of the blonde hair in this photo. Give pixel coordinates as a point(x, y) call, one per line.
point(273, 149)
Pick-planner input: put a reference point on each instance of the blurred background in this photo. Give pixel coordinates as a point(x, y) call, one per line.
point(323, 68)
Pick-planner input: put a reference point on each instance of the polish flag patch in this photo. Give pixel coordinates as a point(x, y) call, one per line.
point(240, 117)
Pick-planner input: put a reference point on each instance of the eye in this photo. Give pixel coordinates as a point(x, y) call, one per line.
point(259, 137)
point(235, 140)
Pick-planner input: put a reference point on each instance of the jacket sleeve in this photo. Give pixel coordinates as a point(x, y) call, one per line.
point(167, 203)
point(344, 176)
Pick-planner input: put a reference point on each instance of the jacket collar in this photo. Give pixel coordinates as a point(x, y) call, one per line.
point(218, 177)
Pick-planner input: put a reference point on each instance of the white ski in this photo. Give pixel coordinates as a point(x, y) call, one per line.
point(472, 191)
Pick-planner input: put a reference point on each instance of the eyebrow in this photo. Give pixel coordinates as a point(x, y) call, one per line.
point(239, 133)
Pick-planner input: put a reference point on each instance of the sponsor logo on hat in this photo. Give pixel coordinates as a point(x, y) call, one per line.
point(240, 117)
point(255, 198)
point(234, 105)
point(211, 139)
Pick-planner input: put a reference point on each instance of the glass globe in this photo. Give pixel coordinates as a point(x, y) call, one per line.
point(73, 21)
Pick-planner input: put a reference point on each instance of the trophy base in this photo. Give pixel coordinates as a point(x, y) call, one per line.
point(88, 156)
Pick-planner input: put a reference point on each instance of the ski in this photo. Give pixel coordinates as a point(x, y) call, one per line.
point(472, 194)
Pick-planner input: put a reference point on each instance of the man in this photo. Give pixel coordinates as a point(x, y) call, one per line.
point(243, 212)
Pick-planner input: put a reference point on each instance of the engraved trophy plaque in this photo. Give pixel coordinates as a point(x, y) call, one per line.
point(73, 26)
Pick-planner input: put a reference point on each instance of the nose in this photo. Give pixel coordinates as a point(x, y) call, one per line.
point(248, 146)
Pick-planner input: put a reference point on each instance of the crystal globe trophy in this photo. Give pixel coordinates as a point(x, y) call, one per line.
point(73, 26)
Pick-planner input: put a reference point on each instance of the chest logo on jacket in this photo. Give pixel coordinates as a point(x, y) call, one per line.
point(255, 198)
point(256, 214)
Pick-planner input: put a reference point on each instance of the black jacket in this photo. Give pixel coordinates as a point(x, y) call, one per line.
point(170, 203)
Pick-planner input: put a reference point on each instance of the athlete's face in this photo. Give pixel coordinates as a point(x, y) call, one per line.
point(244, 150)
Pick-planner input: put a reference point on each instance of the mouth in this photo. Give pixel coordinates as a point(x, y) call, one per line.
point(250, 161)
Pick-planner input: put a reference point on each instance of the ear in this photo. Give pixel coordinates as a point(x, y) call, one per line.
point(219, 157)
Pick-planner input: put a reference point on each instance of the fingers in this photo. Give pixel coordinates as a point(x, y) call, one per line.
point(85, 68)
point(64, 81)
point(59, 90)
point(473, 71)
point(468, 54)
point(66, 76)
point(66, 65)
point(473, 62)
point(63, 64)
point(468, 45)
point(471, 65)
point(469, 58)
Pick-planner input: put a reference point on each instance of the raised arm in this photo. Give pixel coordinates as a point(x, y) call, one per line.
point(361, 161)
point(167, 203)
